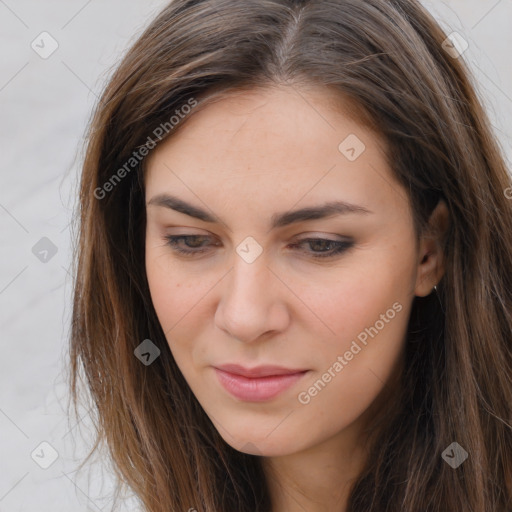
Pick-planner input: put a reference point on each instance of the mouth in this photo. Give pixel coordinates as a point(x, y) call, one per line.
point(257, 384)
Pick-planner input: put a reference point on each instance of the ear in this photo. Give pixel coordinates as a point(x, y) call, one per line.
point(431, 259)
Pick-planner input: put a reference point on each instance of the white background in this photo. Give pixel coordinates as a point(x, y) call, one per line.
point(45, 106)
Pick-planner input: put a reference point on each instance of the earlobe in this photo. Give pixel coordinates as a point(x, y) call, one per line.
point(431, 258)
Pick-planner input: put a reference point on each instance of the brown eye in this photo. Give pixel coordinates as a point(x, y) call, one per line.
point(324, 247)
point(194, 244)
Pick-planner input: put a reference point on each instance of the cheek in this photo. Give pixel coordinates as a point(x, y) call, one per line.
point(364, 310)
point(179, 299)
point(366, 330)
point(352, 367)
point(172, 291)
point(353, 298)
point(364, 316)
point(164, 287)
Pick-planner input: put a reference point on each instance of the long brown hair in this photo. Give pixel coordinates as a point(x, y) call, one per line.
point(387, 58)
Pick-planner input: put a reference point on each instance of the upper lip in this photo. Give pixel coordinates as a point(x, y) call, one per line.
point(258, 371)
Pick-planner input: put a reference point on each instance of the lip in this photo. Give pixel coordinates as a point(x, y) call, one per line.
point(257, 384)
point(258, 371)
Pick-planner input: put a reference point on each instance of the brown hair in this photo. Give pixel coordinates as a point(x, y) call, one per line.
point(387, 58)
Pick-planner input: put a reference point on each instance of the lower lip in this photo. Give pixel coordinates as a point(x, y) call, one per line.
point(256, 389)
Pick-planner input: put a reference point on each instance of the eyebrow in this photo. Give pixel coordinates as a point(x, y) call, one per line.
point(278, 220)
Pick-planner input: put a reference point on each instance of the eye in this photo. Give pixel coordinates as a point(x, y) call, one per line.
point(331, 247)
point(197, 244)
point(194, 244)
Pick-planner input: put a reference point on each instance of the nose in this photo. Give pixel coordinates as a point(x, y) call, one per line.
point(252, 303)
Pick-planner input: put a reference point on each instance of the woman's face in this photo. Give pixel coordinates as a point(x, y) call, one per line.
point(300, 255)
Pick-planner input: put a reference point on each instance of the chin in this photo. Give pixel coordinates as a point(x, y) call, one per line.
point(260, 442)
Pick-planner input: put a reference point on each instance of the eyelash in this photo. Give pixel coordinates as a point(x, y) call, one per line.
point(340, 246)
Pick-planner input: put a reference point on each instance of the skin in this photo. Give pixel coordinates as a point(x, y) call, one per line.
point(247, 157)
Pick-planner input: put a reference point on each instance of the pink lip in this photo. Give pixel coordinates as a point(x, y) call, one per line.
point(256, 384)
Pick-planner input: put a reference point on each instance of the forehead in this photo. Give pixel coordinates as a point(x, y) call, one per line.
point(267, 124)
point(273, 145)
point(272, 107)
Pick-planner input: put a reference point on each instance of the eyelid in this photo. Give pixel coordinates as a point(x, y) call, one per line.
point(340, 246)
point(300, 237)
